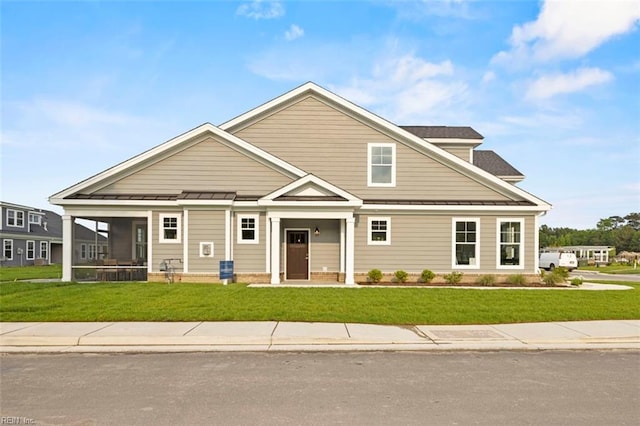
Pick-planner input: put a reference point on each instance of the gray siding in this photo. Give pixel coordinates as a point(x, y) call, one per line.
point(206, 226)
point(206, 166)
point(332, 145)
point(165, 250)
point(425, 242)
point(324, 249)
point(249, 258)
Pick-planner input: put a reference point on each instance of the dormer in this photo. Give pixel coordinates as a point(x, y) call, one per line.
point(459, 140)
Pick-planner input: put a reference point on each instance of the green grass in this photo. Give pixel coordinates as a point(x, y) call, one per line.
point(21, 301)
point(13, 273)
point(612, 269)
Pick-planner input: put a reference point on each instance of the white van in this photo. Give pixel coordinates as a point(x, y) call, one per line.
point(552, 260)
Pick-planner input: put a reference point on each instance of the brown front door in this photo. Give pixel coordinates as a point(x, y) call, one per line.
point(297, 255)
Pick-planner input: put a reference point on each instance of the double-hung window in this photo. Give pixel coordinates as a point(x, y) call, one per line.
point(7, 249)
point(466, 243)
point(44, 250)
point(381, 170)
point(379, 231)
point(83, 251)
point(31, 250)
point(169, 228)
point(510, 243)
point(15, 218)
point(248, 225)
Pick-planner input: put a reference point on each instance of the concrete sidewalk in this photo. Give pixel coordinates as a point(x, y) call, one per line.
point(91, 337)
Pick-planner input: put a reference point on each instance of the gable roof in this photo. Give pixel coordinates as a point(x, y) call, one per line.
point(184, 139)
point(385, 126)
point(443, 132)
point(312, 190)
point(494, 164)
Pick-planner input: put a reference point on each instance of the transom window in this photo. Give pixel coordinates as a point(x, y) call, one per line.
point(382, 164)
point(379, 231)
point(15, 218)
point(248, 228)
point(169, 228)
point(510, 245)
point(466, 246)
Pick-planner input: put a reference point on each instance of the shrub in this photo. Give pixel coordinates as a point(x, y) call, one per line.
point(517, 279)
point(562, 272)
point(487, 279)
point(375, 275)
point(453, 278)
point(577, 281)
point(553, 278)
point(401, 276)
point(427, 276)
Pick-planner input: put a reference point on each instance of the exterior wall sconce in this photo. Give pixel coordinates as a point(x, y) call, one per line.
point(316, 232)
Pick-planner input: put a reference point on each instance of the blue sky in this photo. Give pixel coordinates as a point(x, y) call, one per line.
point(554, 87)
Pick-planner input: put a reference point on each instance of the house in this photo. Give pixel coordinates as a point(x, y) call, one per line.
point(589, 255)
point(33, 236)
point(311, 187)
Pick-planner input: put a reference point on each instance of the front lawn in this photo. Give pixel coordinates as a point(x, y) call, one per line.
point(237, 302)
point(612, 269)
point(13, 273)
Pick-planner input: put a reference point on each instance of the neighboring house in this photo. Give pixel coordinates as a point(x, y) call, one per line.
point(310, 186)
point(32, 236)
point(593, 255)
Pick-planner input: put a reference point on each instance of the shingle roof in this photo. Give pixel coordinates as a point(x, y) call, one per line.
point(443, 132)
point(491, 162)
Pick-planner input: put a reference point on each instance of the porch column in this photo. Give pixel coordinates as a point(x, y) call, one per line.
point(275, 250)
point(67, 247)
point(349, 251)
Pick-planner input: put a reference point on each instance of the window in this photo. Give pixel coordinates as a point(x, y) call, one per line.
point(510, 245)
point(15, 218)
point(8, 249)
point(379, 231)
point(382, 164)
point(83, 251)
point(466, 247)
point(44, 250)
point(169, 228)
point(31, 250)
point(248, 229)
point(92, 251)
point(35, 218)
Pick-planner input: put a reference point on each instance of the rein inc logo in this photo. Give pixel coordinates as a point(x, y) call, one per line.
point(15, 420)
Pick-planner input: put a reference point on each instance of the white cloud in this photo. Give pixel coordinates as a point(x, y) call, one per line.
point(550, 85)
point(570, 29)
point(259, 9)
point(488, 77)
point(293, 32)
point(407, 88)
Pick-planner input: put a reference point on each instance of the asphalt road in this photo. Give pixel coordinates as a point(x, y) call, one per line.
point(501, 388)
point(600, 276)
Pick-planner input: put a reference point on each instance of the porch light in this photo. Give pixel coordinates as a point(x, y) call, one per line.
point(316, 232)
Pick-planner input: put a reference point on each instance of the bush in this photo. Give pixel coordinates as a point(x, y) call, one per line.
point(562, 272)
point(553, 278)
point(577, 281)
point(487, 280)
point(401, 276)
point(427, 276)
point(453, 278)
point(517, 279)
point(375, 275)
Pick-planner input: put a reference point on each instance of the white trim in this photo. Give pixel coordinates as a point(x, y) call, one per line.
point(309, 214)
point(149, 241)
point(67, 247)
point(387, 240)
point(45, 243)
point(343, 230)
point(476, 264)
point(286, 244)
point(349, 252)
point(352, 200)
point(370, 165)
point(33, 251)
point(84, 252)
point(185, 242)
point(267, 245)
point(443, 207)
point(228, 235)
point(275, 250)
point(203, 249)
point(4, 248)
point(521, 244)
point(256, 229)
point(536, 242)
point(15, 218)
point(161, 218)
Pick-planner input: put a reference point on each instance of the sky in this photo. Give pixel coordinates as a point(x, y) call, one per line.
point(553, 86)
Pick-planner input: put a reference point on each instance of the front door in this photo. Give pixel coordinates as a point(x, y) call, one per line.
point(297, 255)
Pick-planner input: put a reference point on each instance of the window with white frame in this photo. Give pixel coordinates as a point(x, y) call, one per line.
point(35, 219)
point(7, 249)
point(248, 226)
point(92, 251)
point(466, 243)
point(379, 231)
point(381, 169)
point(83, 251)
point(15, 218)
point(169, 228)
point(44, 249)
point(510, 243)
point(31, 250)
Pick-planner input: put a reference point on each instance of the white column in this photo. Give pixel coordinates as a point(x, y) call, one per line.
point(349, 251)
point(267, 244)
point(185, 241)
point(67, 247)
point(275, 250)
point(342, 252)
point(149, 241)
point(228, 235)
